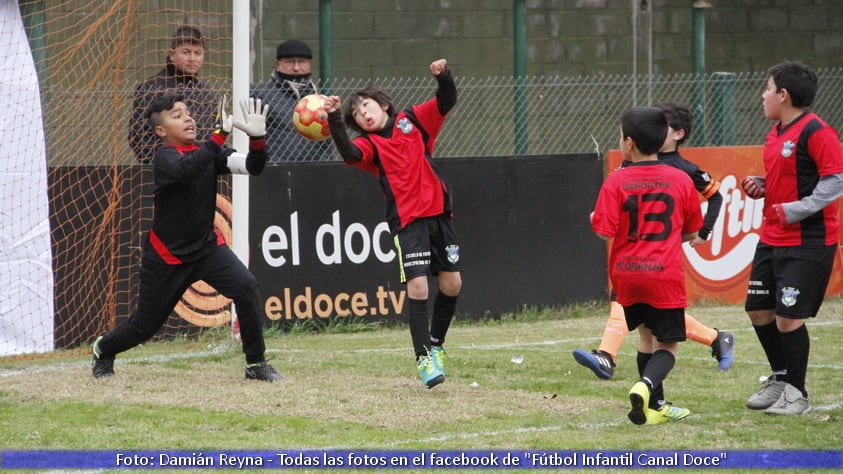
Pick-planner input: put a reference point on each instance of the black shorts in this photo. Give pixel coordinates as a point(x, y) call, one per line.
point(668, 325)
point(790, 280)
point(427, 246)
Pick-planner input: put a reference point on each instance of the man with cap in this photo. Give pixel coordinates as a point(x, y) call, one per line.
point(185, 59)
point(290, 81)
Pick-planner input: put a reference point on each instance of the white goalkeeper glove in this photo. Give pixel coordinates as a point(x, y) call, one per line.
point(254, 118)
point(224, 119)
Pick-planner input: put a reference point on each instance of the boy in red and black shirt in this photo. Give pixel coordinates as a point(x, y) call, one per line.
point(648, 209)
point(397, 147)
point(182, 245)
point(602, 361)
point(795, 255)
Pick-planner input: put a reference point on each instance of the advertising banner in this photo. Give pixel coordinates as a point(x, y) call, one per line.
point(320, 246)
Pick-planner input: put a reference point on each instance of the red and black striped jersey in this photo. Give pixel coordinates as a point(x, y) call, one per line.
point(796, 156)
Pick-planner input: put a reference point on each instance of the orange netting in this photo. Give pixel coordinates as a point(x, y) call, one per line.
point(90, 57)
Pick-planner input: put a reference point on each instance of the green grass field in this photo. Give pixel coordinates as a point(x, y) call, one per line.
point(354, 386)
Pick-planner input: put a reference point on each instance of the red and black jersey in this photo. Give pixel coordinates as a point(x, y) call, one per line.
point(707, 186)
point(796, 156)
point(185, 196)
point(646, 207)
point(400, 156)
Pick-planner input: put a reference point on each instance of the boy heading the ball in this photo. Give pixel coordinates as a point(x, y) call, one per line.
point(648, 209)
point(397, 147)
point(182, 246)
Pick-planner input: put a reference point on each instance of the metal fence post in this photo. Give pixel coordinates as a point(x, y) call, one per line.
point(723, 131)
point(519, 39)
point(698, 58)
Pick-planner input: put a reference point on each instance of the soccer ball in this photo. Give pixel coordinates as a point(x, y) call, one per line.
point(310, 119)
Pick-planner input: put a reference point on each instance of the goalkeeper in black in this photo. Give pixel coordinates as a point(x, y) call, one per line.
point(182, 246)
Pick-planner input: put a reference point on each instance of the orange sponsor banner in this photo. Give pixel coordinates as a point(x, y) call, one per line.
point(719, 270)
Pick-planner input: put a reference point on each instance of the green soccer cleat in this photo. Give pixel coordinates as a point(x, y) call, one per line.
point(431, 374)
point(666, 413)
point(437, 353)
point(639, 397)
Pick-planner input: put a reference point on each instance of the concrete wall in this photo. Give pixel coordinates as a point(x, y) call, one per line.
point(387, 38)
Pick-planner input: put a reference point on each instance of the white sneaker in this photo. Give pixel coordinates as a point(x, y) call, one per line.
point(791, 402)
point(767, 395)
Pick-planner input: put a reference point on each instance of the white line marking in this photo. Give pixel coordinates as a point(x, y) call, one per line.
point(225, 346)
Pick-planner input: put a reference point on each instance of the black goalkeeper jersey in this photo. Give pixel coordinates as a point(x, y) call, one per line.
point(185, 202)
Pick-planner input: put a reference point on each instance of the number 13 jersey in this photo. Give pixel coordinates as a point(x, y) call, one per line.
point(645, 208)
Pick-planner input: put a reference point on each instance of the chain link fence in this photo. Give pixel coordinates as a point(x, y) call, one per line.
point(498, 116)
point(560, 115)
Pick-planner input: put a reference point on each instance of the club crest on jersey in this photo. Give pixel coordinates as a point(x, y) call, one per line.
point(405, 125)
point(453, 252)
point(789, 295)
point(706, 177)
point(787, 149)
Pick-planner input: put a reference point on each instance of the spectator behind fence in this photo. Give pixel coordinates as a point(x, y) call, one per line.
point(291, 80)
point(185, 59)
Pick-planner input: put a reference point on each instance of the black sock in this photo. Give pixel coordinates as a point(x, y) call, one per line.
point(642, 359)
point(444, 307)
point(419, 324)
point(660, 364)
point(771, 342)
point(796, 345)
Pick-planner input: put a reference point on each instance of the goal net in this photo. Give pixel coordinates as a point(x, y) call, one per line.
point(76, 201)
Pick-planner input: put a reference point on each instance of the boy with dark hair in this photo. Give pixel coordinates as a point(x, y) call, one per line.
point(397, 147)
point(602, 361)
point(648, 209)
point(182, 246)
point(795, 254)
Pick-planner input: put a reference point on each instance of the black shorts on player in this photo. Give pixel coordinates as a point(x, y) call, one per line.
point(427, 246)
point(803, 277)
point(667, 325)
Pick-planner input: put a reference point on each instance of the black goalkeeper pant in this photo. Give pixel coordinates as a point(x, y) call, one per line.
point(161, 287)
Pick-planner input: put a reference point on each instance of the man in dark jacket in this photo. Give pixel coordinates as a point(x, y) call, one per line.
point(290, 81)
point(184, 61)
